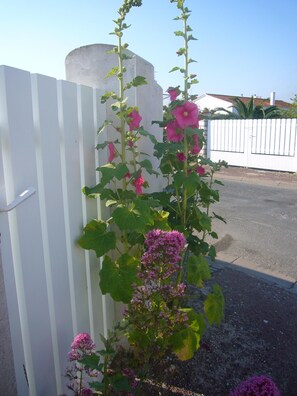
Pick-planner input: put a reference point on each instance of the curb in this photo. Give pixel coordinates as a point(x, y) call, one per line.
point(239, 264)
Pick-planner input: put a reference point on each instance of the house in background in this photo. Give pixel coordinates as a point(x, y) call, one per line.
point(209, 102)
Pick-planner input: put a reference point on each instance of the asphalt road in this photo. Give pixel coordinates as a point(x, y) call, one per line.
point(261, 229)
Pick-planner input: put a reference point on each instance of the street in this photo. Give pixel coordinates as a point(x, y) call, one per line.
point(261, 229)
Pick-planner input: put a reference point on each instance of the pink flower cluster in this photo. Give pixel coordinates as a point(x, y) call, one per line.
point(164, 249)
point(256, 386)
point(81, 346)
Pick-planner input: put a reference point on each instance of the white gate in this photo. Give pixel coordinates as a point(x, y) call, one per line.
point(47, 135)
point(264, 144)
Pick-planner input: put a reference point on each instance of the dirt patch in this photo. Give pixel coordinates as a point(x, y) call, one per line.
point(258, 337)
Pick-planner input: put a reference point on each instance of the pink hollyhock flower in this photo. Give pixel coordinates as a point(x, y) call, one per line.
point(173, 132)
point(138, 185)
point(135, 120)
point(173, 93)
point(196, 148)
point(186, 115)
point(200, 170)
point(112, 150)
point(181, 157)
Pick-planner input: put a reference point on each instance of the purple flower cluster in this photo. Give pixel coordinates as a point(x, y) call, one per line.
point(163, 254)
point(78, 375)
point(81, 346)
point(256, 386)
point(154, 307)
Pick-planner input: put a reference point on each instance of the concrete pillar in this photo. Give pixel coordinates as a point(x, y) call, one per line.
point(90, 64)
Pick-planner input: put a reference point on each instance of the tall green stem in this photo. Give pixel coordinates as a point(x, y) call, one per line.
point(186, 77)
point(121, 97)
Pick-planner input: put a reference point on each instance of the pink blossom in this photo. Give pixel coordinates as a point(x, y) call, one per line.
point(112, 150)
point(135, 120)
point(186, 115)
point(200, 170)
point(173, 93)
point(181, 157)
point(173, 132)
point(196, 148)
point(82, 345)
point(130, 143)
point(138, 185)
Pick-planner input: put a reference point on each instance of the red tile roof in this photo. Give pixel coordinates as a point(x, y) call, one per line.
point(257, 101)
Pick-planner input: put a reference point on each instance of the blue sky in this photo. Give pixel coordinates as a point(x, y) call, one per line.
point(243, 47)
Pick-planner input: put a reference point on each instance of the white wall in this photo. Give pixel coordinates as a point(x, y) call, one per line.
point(209, 102)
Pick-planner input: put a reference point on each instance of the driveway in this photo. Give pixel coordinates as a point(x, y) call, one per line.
point(261, 213)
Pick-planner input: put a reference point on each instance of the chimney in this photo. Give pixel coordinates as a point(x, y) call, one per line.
point(272, 98)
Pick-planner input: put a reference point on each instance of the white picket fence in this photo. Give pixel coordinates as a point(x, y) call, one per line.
point(264, 144)
point(48, 137)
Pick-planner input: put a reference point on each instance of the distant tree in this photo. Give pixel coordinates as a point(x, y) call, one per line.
point(292, 111)
point(246, 110)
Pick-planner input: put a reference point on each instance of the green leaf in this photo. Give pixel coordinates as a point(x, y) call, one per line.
point(198, 270)
point(214, 305)
point(117, 277)
point(192, 182)
point(174, 69)
point(145, 133)
point(110, 202)
point(179, 33)
point(219, 217)
point(96, 238)
point(212, 253)
point(133, 218)
point(92, 361)
point(102, 127)
point(109, 171)
point(160, 220)
point(191, 37)
point(120, 383)
point(185, 343)
point(107, 96)
point(112, 72)
point(138, 80)
point(98, 386)
point(147, 165)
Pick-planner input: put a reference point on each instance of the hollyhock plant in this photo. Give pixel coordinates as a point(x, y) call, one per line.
point(186, 115)
point(112, 150)
point(138, 183)
point(173, 131)
point(256, 386)
point(134, 119)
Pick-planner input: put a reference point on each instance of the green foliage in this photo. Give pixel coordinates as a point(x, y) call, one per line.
point(247, 111)
point(117, 277)
point(214, 305)
point(198, 270)
point(161, 323)
point(97, 238)
point(291, 112)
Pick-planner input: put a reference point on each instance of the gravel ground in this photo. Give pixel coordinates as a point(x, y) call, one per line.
point(257, 337)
